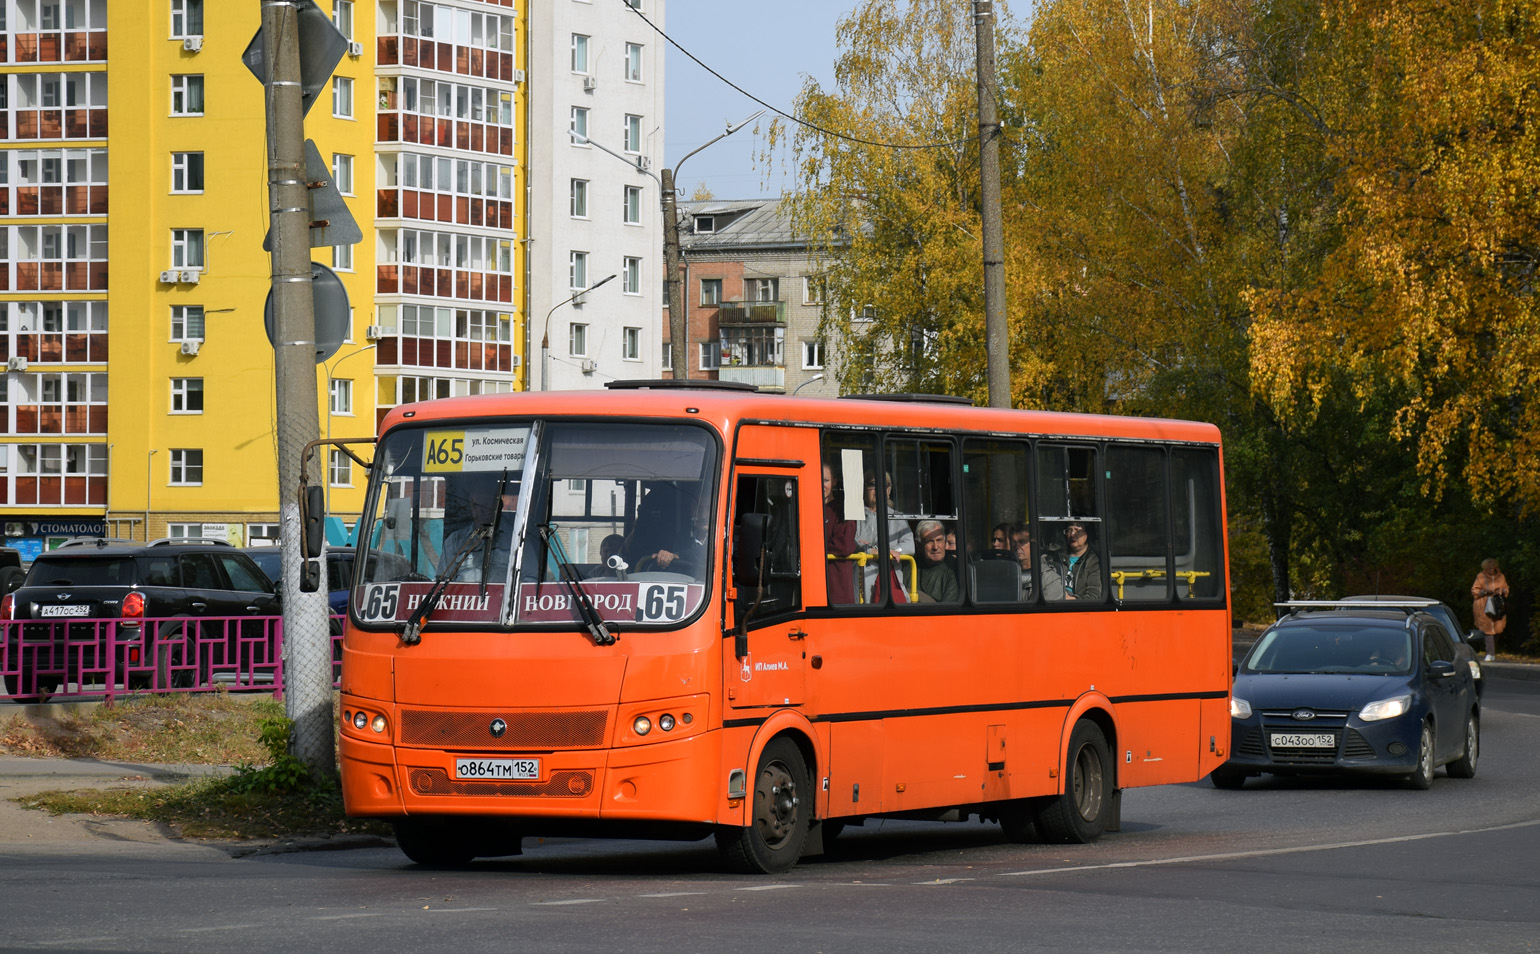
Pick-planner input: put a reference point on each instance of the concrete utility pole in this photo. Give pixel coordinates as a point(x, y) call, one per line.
point(306, 636)
point(996, 335)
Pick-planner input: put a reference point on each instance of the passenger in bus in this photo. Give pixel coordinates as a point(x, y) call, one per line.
point(1083, 568)
point(1034, 576)
point(999, 544)
point(472, 504)
point(937, 580)
point(900, 537)
point(839, 540)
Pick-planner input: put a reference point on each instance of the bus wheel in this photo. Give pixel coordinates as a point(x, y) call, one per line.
point(434, 842)
point(773, 841)
point(1080, 814)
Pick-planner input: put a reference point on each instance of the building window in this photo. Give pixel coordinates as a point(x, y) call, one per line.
point(342, 97)
point(577, 270)
point(579, 198)
point(634, 4)
point(631, 276)
point(186, 18)
point(812, 290)
point(633, 133)
point(812, 355)
point(632, 209)
point(631, 344)
point(711, 291)
point(186, 468)
point(186, 395)
point(187, 172)
point(668, 356)
point(705, 224)
point(342, 258)
point(187, 248)
point(577, 340)
point(342, 396)
point(340, 469)
point(262, 534)
point(710, 355)
point(633, 62)
point(762, 289)
point(579, 125)
point(342, 16)
point(342, 172)
point(579, 53)
point(187, 94)
point(186, 323)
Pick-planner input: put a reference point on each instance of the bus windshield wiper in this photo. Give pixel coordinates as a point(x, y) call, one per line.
point(412, 634)
point(497, 520)
point(585, 604)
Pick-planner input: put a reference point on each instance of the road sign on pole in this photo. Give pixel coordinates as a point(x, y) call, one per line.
point(331, 312)
point(330, 221)
point(321, 46)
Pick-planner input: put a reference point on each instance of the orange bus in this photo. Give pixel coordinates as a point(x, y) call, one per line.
point(681, 612)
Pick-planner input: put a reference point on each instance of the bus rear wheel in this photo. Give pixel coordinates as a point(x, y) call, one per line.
point(780, 816)
point(1081, 813)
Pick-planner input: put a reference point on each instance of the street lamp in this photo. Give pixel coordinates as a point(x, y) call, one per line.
point(330, 368)
point(816, 377)
point(545, 332)
point(671, 256)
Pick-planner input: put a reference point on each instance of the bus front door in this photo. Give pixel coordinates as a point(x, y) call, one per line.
point(773, 671)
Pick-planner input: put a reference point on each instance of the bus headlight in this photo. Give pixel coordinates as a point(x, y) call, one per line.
point(642, 725)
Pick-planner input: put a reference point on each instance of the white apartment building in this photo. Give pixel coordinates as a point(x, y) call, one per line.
point(596, 68)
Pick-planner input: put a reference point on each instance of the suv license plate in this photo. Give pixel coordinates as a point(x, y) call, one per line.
point(76, 610)
point(497, 769)
point(1303, 740)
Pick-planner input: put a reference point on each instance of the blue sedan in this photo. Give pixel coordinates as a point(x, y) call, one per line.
point(1345, 688)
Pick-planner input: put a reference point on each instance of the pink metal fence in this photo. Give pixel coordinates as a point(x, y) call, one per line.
point(43, 659)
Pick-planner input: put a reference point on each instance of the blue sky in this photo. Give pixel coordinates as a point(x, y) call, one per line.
point(766, 49)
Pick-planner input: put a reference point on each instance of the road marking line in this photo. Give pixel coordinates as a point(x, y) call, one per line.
point(573, 901)
point(77, 940)
point(945, 881)
point(766, 887)
point(672, 894)
point(453, 910)
point(220, 927)
point(1269, 852)
point(344, 917)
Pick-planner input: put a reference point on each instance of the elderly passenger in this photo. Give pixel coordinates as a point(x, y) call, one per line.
point(937, 579)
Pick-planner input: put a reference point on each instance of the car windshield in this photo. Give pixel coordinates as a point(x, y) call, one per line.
point(1332, 647)
point(88, 571)
point(520, 520)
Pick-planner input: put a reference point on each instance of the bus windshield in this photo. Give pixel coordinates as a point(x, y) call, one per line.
point(526, 522)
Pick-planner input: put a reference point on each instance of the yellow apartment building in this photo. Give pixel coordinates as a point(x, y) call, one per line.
point(138, 382)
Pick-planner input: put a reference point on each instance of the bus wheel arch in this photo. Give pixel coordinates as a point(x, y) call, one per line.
point(780, 805)
point(1087, 803)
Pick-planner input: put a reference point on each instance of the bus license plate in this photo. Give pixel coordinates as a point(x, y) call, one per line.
point(497, 769)
point(1303, 740)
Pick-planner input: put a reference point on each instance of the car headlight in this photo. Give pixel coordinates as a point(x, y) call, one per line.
point(1239, 708)
point(1386, 708)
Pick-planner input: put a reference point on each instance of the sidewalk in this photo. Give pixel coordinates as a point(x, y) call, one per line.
point(27, 776)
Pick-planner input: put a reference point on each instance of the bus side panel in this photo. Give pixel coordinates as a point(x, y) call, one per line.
point(367, 674)
point(1215, 742)
point(856, 768)
point(1156, 744)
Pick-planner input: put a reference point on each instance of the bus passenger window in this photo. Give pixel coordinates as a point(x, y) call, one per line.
point(997, 543)
point(851, 567)
point(1197, 524)
point(1070, 523)
point(1136, 523)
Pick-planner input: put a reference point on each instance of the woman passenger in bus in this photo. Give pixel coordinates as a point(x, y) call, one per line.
point(1083, 570)
point(937, 580)
point(900, 537)
point(839, 540)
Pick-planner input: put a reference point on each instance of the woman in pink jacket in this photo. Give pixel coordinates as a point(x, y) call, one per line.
point(1489, 582)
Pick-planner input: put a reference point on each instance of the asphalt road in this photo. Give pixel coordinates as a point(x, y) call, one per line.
point(1282, 865)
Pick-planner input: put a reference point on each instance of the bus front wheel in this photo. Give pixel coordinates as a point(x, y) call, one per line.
point(781, 814)
point(434, 842)
point(1081, 813)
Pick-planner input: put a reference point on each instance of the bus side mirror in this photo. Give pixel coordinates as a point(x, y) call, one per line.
point(313, 519)
point(749, 549)
point(310, 576)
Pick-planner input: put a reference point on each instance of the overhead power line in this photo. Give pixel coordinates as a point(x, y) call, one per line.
point(823, 130)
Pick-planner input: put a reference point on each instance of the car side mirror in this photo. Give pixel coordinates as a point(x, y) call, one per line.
point(1476, 638)
point(313, 517)
point(1441, 669)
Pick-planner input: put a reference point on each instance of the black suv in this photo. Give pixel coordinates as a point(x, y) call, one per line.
point(165, 615)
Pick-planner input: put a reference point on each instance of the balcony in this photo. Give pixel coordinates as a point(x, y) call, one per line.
point(751, 313)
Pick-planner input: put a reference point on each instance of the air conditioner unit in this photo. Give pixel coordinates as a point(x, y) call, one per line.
point(191, 347)
point(518, 360)
point(518, 76)
point(189, 277)
point(16, 364)
point(374, 332)
point(169, 277)
point(192, 44)
point(589, 367)
point(355, 49)
point(590, 82)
